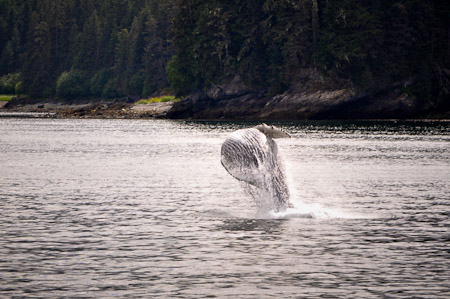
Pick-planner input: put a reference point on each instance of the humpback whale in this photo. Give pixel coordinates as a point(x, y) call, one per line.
point(252, 157)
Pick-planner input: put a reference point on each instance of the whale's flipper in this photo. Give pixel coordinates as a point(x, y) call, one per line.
point(272, 131)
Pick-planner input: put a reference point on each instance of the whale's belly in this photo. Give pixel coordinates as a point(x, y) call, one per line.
point(244, 155)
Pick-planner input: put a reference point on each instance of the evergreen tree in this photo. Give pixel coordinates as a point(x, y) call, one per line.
point(37, 69)
point(88, 55)
point(350, 39)
point(121, 53)
point(158, 46)
point(132, 47)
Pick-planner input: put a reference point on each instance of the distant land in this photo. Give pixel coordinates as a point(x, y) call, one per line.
point(262, 59)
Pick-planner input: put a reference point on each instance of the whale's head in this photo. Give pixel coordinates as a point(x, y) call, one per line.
point(272, 131)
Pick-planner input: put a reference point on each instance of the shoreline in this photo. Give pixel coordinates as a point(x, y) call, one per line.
point(96, 109)
point(54, 115)
point(100, 109)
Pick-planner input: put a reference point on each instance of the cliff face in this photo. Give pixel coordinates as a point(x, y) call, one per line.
point(310, 98)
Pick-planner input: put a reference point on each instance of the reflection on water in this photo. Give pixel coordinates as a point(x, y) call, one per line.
point(137, 208)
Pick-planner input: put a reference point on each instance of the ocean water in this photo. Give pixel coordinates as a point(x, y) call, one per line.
point(144, 209)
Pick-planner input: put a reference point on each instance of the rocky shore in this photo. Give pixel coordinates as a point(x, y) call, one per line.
point(328, 104)
point(311, 99)
point(56, 108)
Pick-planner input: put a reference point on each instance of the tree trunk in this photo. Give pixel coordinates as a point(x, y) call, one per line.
point(315, 23)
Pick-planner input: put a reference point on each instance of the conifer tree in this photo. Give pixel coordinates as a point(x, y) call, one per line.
point(37, 69)
point(133, 47)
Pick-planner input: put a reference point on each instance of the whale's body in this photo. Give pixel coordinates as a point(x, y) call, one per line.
point(252, 156)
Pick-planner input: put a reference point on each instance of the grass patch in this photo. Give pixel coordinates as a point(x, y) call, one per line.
point(6, 97)
point(159, 100)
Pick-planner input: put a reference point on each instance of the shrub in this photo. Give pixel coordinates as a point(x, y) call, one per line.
point(148, 90)
point(72, 84)
point(99, 81)
point(48, 92)
point(18, 88)
point(5, 98)
point(111, 90)
point(168, 99)
point(159, 99)
point(8, 83)
point(180, 77)
point(136, 84)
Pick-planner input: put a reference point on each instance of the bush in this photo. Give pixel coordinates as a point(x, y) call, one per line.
point(5, 98)
point(73, 84)
point(99, 81)
point(111, 90)
point(136, 84)
point(18, 88)
point(160, 99)
point(8, 83)
point(48, 92)
point(180, 77)
point(148, 90)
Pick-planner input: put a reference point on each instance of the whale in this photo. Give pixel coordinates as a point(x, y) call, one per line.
point(251, 156)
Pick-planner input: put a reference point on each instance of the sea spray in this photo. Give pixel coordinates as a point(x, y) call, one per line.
point(253, 157)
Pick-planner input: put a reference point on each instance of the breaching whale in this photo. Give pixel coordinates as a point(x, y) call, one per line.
point(252, 156)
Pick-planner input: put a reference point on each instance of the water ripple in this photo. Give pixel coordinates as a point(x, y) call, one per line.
point(136, 208)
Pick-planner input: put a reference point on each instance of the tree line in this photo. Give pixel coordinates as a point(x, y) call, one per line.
point(370, 43)
point(78, 48)
point(112, 48)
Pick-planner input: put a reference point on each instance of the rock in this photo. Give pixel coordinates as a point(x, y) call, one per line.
point(309, 99)
point(229, 89)
point(157, 110)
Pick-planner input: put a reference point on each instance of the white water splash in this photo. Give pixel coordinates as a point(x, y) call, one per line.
point(302, 210)
point(256, 161)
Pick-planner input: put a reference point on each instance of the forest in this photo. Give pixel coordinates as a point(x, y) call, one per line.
point(82, 48)
point(118, 48)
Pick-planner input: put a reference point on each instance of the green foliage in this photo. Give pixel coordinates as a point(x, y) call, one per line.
point(48, 92)
point(159, 100)
point(193, 44)
point(6, 98)
point(73, 84)
point(136, 84)
point(268, 42)
point(180, 76)
point(19, 88)
point(111, 89)
point(8, 83)
point(351, 38)
point(99, 81)
point(148, 89)
point(42, 40)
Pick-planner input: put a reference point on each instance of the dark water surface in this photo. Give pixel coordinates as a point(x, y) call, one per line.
point(143, 208)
